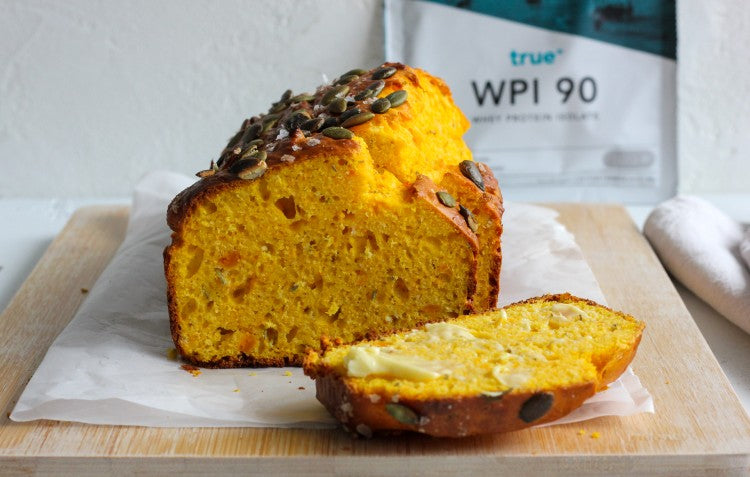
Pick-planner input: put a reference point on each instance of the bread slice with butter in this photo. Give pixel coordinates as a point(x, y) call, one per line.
point(529, 363)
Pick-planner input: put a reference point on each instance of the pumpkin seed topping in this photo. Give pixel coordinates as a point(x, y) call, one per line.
point(384, 72)
point(277, 107)
point(251, 133)
point(470, 170)
point(357, 119)
point(303, 97)
point(380, 106)
point(446, 199)
point(349, 113)
point(402, 414)
point(287, 94)
point(235, 139)
point(346, 79)
point(337, 106)
point(205, 173)
point(397, 98)
point(536, 406)
point(249, 168)
point(313, 124)
point(255, 142)
point(329, 122)
point(371, 91)
point(333, 93)
point(471, 221)
point(335, 132)
point(355, 71)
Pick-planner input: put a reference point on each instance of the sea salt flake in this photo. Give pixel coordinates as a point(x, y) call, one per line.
point(283, 134)
point(312, 141)
point(296, 147)
point(287, 158)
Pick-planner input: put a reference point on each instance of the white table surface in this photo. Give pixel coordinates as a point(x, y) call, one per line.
point(30, 225)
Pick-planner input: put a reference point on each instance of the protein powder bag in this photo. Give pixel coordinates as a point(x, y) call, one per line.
point(568, 99)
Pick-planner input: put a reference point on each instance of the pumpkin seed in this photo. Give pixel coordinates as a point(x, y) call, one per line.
point(349, 113)
point(371, 91)
point(469, 217)
point(446, 199)
point(269, 122)
point(251, 133)
point(364, 94)
point(384, 72)
point(335, 132)
point(357, 119)
point(470, 170)
point(402, 414)
point(333, 93)
point(255, 143)
point(397, 98)
point(329, 122)
point(206, 173)
point(313, 124)
point(260, 155)
point(380, 106)
point(235, 139)
point(536, 406)
point(277, 107)
point(303, 97)
point(346, 79)
point(297, 119)
point(249, 152)
point(355, 71)
point(249, 168)
point(287, 94)
point(337, 106)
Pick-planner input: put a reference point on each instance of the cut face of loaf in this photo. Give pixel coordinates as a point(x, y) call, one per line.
point(329, 216)
point(261, 270)
point(527, 364)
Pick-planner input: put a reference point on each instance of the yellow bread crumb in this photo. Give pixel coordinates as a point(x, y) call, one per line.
point(595, 435)
point(581, 432)
point(172, 354)
point(287, 373)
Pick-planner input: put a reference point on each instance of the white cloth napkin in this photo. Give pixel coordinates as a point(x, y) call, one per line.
point(703, 248)
point(110, 364)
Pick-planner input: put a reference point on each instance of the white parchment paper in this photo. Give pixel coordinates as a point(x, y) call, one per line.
point(110, 364)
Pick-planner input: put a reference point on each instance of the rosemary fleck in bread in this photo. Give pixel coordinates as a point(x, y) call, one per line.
point(349, 212)
point(529, 363)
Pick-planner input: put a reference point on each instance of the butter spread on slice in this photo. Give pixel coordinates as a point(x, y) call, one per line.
point(364, 361)
point(448, 331)
point(568, 311)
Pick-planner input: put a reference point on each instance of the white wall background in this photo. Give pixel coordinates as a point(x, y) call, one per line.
point(714, 96)
point(93, 94)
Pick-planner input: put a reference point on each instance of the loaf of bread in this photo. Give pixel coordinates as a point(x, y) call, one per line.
point(349, 212)
point(529, 363)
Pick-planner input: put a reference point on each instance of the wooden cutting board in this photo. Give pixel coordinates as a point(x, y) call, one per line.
point(699, 427)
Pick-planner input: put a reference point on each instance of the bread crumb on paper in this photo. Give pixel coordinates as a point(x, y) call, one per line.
point(191, 369)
